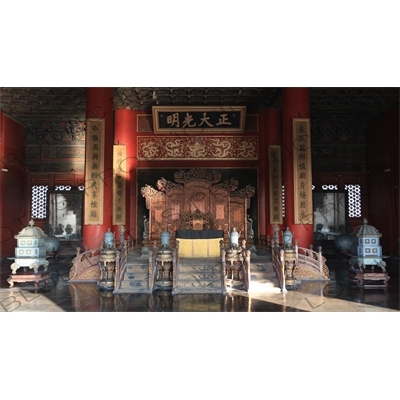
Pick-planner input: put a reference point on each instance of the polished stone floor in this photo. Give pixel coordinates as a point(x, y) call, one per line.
point(293, 343)
point(337, 295)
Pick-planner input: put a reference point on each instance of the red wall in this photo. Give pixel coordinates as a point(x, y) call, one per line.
point(13, 199)
point(383, 180)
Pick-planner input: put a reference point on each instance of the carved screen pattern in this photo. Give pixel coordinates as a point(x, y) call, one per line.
point(329, 187)
point(158, 220)
point(354, 200)
point(62, 187)
point(38, 201)
point(237, 218)
point(220, 211)
point(219, 200)
point(173, 209)
point(197, 197)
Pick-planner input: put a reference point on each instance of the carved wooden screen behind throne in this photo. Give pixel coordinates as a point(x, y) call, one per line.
point(197, 201)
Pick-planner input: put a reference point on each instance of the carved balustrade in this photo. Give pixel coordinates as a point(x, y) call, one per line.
point(85, 266)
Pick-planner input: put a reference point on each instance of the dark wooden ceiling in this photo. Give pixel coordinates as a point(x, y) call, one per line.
point(33, 105)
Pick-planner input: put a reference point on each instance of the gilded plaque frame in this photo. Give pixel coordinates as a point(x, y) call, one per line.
point(302, 172)
point(275, 185)
point(94, 171)
point(119, 185)
point(192, 124)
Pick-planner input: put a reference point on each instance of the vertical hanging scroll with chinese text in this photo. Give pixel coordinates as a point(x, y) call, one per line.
point(275, 185)
point(94, 171)
point(119, 185)
point(302, 173)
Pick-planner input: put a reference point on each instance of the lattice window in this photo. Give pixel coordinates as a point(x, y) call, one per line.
point(354, 200)
point(329, 187)
point(38, 201)
point(62, 187)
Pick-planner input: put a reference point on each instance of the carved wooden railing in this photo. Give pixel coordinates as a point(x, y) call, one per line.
point(175, 266)
point(308, 264)
point(85, 266)
point(311, 259)
point(121, 262)
point(129, 243)
point(153, 268)
point(224, 277)
point(278, 263)
point(265, 241)
point(246, 269)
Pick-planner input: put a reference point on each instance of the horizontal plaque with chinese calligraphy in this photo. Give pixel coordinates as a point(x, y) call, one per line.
point(94, 171)
point(119, 185)
point(207, 119)
point(195, 148)
point(302, 172)
point(275, 185)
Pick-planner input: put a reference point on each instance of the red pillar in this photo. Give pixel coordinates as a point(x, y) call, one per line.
point(262, 176)
point(295, 105)
point(273, 137)
point(99, 104)
point(125, 134)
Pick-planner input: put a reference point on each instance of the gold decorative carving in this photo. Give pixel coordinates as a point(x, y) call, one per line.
point(205, 148)
point(91, 273)
point(72, 271)
point(230, 185)
point(148, 191)
point(163, 185)
point(188, 220)
point(197, 174)
point(246, 192)
point(303, 271)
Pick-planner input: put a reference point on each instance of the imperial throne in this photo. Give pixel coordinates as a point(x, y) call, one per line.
point(197, 208)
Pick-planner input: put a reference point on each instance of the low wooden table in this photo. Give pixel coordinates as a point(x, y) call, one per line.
point(35, 278)
point(369, 280)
